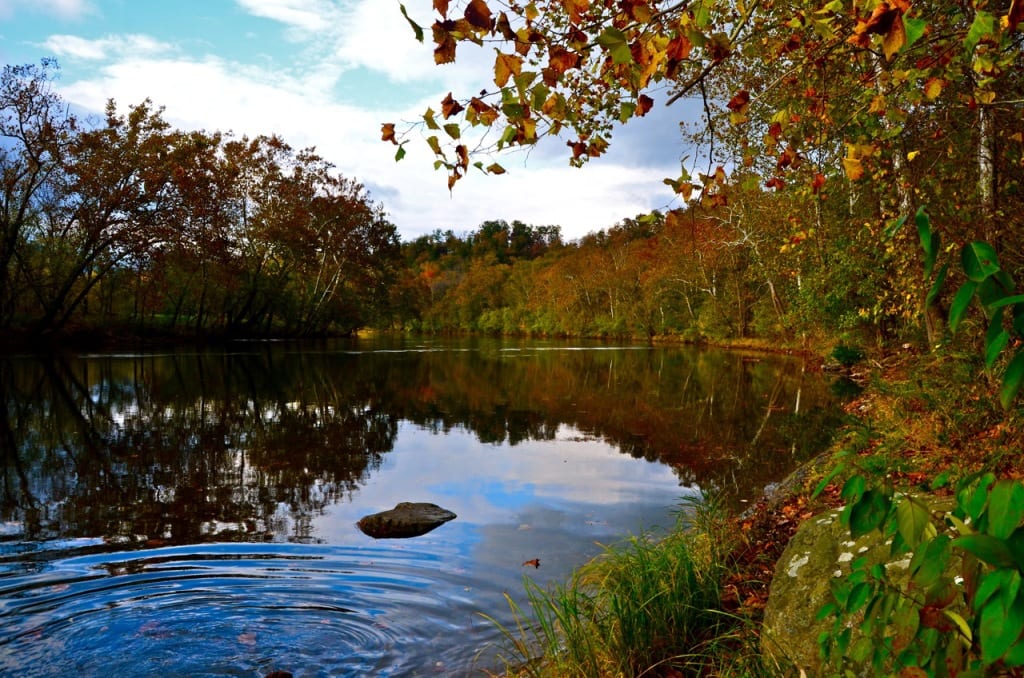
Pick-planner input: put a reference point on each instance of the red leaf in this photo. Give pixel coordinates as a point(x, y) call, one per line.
point(478, 14)
point(535, 563)
point(450, 107)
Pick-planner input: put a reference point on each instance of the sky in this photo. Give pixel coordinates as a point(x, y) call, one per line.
point(327, 74)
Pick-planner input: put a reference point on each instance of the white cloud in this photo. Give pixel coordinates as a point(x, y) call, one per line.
point(306, 15)
point(103, 48)
point(297, 100)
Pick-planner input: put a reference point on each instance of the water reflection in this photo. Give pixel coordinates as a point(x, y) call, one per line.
point(144, 495)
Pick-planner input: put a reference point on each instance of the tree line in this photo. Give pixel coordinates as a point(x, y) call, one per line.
point(124, 223)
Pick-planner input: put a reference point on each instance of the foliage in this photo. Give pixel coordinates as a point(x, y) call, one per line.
point(128, 222)
point(960, 610)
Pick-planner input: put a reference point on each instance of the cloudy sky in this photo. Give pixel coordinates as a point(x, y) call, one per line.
point(327, 73)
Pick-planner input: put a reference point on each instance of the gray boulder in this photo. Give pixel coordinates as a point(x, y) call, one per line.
point(407, 519)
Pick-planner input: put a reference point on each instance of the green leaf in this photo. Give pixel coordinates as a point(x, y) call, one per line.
point(869, 513)
point(1005, 508)
point(983, 26)
point(1012, 380)
point(1007, 301)
point(912, 518)
point(914, 29)
point(987, 549)
point(453, 130)
point(940, 280)
point(929, 241)
point(416, 28)
point(893, 227)
point(614, 41)
point(979, 261)
point(626, 111)
point(1000, 628)
point(929, 564)
point(400, 153)
point(960, 303)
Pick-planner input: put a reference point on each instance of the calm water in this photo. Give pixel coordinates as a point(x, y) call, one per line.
point(194, 513)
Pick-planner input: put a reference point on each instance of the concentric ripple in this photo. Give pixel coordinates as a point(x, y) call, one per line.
point(240, 609)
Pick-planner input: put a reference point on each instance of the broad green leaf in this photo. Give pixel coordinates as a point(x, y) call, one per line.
point(1000, 629)
point(453, 130)
point(894, 226)
point(996, 581)
point(983, 26)
point(614, 41)
point(914, 28)
point(929, 564)
point(960, 303)
point(626, 110)
point(400, 153)
point(912, 518)
point(1005, 508)
point(994, 345)
point(1012, 380)
point(416, 28)
point(987, 549)
point(979, 261)
point(869, 513)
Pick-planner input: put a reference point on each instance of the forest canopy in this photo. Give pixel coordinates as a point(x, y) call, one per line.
point(124, 222)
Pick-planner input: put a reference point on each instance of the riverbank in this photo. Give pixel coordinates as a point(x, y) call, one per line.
point(923, 423)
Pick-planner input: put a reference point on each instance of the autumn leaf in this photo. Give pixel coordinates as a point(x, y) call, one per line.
point(442, 7)
point(506, 65)
point(739, 101)
point(478, 14)
point(481, 112)
point(387, 132)
point(450, 107)
point(575, 9)
point(644, 104)
point(495, 168)
point(894, 39)
point(933, 88)
point(853, 168)
point(532, 563)
point(818, 183)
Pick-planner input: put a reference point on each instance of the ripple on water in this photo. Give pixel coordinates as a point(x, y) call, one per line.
point(240, 609)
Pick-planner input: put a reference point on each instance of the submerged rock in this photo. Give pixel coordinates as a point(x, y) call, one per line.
point(407, 519)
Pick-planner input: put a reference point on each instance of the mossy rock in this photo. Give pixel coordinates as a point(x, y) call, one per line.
point(820, 552)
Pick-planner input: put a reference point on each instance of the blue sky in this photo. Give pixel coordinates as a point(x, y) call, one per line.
point(327, 73)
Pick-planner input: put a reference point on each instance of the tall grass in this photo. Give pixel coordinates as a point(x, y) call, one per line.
point(646, 606)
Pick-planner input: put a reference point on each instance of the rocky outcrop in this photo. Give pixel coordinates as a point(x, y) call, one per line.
point(407, 519)
point(820, 552)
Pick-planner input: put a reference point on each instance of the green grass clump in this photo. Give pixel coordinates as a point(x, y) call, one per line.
point(645, 607)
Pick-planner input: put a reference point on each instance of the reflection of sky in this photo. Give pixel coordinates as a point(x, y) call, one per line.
point(554, 500)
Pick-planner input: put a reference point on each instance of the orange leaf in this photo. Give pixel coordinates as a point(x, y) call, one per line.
point(442, 7)
point(450, 107)
point(575, 9)
point(739, 101)
point(532, 563)
point(478, 14)
point(387, 132)
point(644, 104)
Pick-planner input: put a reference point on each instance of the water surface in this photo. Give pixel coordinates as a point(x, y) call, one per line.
point(193, 513)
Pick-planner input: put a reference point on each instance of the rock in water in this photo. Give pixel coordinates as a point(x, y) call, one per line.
point(407, 519)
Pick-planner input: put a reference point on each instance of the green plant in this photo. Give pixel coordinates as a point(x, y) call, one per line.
point(993, 288)
point(642, 606)
point(959, 607)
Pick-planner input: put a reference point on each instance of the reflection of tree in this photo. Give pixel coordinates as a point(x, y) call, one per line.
point(182, 448)
point(217, 445)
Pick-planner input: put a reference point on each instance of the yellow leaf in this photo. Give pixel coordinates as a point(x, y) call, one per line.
point(894, 40)
point(853, 167)
point(933, 87)
point(506, 65)
point(912, 155)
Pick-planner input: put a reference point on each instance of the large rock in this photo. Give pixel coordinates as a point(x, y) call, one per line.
point(407, 519)
point(819, 552)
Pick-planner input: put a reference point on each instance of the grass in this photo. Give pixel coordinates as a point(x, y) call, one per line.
point(645, 607)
